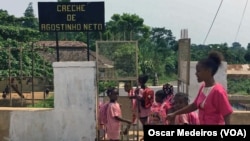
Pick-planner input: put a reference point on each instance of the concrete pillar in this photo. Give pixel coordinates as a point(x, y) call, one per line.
point(75, 100)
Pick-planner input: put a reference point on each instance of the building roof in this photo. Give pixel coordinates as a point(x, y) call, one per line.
point(238, 69)
point(61, 44)
point(79, 54)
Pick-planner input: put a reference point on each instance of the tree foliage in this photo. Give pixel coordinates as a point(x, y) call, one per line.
point(16, 36)
point(29, 19)
point(158, 47)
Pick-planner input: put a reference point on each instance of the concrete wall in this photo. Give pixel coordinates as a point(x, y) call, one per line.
point(220, 76)
point(73, 118)
point(74, 115)
point(240, 118)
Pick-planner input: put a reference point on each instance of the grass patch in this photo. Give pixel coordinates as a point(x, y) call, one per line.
point(47, 103)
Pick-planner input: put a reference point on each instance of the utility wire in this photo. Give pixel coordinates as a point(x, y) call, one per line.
point(213, 21)
point(235, 39)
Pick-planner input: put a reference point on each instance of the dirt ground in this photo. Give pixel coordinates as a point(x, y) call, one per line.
point(132, 136)
point(17, 101)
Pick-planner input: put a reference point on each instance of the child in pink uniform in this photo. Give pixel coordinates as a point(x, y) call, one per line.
point(169, 92)
point(159, 110)
point(140, 96)
point(181, 100)
point(212, 100)
point(114, 116)
point(101, 120)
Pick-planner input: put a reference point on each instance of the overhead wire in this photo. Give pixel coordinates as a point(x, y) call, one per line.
point(242, 16)
point(213, 22)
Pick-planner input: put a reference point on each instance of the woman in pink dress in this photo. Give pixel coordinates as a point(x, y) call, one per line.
point(114, 116)
point(212, 100)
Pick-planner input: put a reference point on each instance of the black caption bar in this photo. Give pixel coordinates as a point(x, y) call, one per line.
point(217, 132)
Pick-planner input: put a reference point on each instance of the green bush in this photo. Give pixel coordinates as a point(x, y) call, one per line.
point(238, 86)
point(47, 103)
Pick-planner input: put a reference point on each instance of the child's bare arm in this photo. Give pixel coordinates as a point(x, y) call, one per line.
point(122, 119)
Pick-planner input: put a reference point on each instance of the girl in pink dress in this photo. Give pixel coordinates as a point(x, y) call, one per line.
point(169, 92)
point(181, 100)
point(212, 100)
point(114, 116)
point(144, 96)
point(101, 118)
point(159, 110)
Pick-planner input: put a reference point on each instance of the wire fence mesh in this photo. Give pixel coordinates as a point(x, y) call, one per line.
point(24, 76)
point(117, 62)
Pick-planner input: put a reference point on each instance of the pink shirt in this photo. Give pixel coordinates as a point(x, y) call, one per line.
point(216, 105)
point(101, 103)
point(181, 119)
point(160, 110)
point(189, 118)
point(133, 101)
point(113, 125)
point(143, 111)
point(133, 105)
point(169, 99)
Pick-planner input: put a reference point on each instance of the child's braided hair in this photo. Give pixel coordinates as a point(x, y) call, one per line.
point(112, 90)
point(168, 89)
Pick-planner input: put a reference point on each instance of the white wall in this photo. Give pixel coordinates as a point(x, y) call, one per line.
point(220, 76)
point(73, 118)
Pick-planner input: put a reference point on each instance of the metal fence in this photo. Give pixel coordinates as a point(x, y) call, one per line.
point(117, 62)
point(23, 82)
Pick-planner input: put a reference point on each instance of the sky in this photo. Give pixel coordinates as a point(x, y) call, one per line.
point(197, 16)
